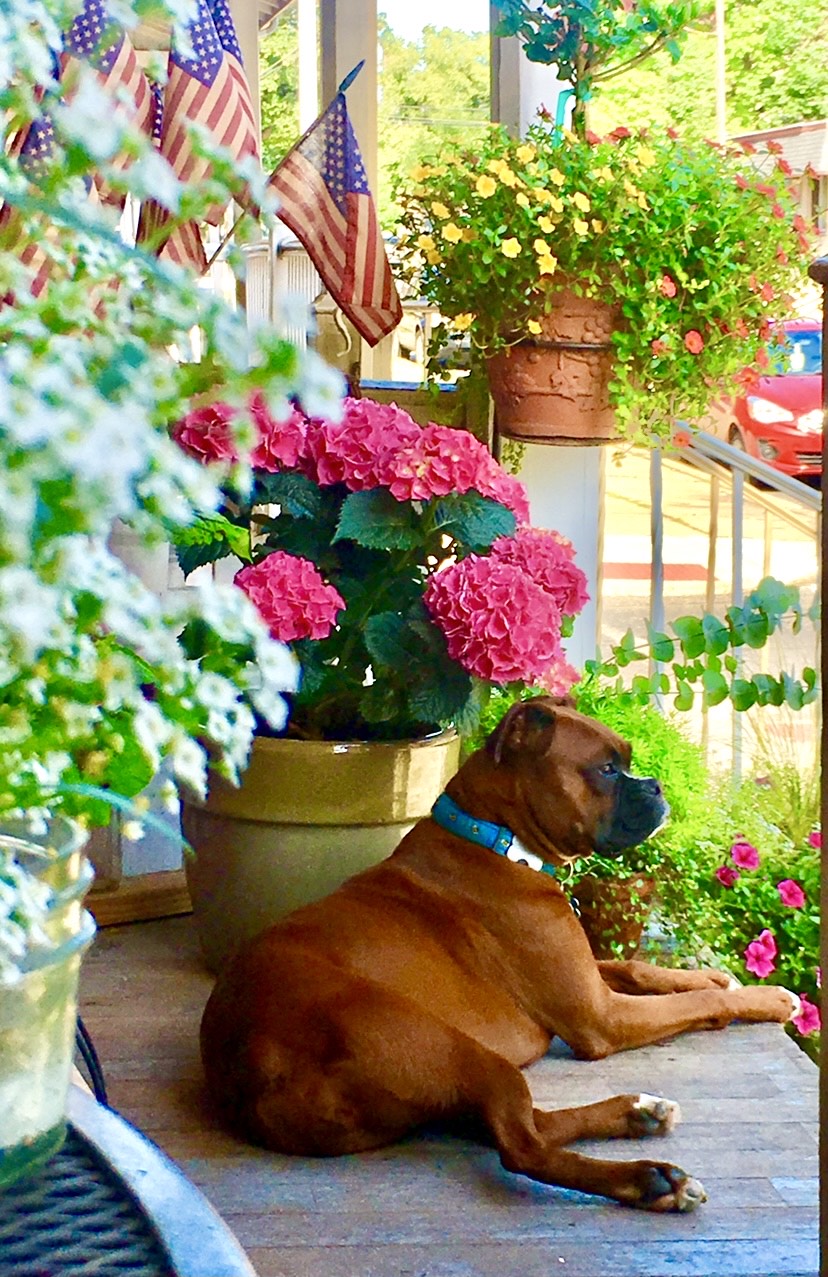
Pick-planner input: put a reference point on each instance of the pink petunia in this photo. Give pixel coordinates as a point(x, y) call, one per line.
point(694, 342)
point(744, 854)
point(206, 435)
point(815, 838)
point(760, 953)
point(727, 875)
point(790, 893)
point(291, 596)
point(667, 286)
point(807, 1018)
point(498, 623)
point(548, 558)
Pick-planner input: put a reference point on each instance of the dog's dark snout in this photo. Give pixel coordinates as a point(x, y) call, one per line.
point(652, 787)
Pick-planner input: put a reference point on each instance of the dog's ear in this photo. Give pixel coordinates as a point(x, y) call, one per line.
point(528, 726)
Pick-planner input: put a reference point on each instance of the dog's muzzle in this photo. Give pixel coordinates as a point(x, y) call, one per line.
point(640, 809)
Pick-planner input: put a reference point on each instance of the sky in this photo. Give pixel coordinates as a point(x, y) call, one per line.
point(408, 17)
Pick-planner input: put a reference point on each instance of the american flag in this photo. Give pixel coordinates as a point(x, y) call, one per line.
point(325, 200)
point(94, 38)
point(210, 88)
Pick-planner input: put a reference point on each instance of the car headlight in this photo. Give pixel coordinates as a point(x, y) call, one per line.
point(811, 421)
point(766, 412)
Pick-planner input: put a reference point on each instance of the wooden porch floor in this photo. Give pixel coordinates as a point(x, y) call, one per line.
point(437, 1206)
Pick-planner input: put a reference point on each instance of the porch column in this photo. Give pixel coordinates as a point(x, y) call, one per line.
point(246, 21)
point(565, 484)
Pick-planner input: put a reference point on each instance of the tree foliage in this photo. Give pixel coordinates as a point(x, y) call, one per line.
point(279, 80)
point(771, 81)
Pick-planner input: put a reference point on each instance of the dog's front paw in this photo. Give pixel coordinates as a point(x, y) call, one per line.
point(653, 1115)
point(668, 1188)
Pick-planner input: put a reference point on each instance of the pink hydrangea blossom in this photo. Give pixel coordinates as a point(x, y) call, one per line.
point(760, 953)
point(359, 449)
point(727, 875)
point(292, 596)
point(282, 444)
point(790, 893)
point(807, 1018)
point(499, 624)
point(815, 838)
point(548, 558)
point(443, 460)
point(206, 435)
point(744, 854)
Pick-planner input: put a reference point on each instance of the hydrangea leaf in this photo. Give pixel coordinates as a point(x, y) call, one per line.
point(210, 538)
point(297, 494)
point(376, 520)
point(474, 520)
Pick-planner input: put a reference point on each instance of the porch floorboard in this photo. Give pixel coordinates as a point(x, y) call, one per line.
point(439, 1206)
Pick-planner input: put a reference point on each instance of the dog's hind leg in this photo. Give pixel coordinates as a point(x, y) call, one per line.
point(530, 1141)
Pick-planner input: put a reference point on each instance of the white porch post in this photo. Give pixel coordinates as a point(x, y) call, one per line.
point(246, 21)
point(565, 484)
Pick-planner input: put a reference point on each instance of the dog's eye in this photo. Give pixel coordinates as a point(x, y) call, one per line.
point(609, 769)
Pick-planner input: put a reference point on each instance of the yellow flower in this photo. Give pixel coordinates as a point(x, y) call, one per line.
point(541, 246)
point(546, 224)
point(525, 153)
point(510, 247)
point(557, 205)
point(579, 227)
point(452, 233)
point(507, 177)
point(469, 233)
point(541, 194)
point(433, 257)
point(581, 201)
point(440, 210)
point(522, 200)
point(642, 200)
point(597, 226)
point(485, 186)
point(605, 174)
point(631, 190)
point(646, 157)
point(534, 327)
point(494, 166)
point(547, 264)
point(419, 172)
point(461, 322)
point(557, 177)
point(569, 135)
point(425, 242)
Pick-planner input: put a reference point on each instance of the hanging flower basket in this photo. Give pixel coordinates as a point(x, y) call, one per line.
point(554, 387)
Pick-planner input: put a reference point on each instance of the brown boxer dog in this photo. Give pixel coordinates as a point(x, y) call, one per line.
point(421, 988)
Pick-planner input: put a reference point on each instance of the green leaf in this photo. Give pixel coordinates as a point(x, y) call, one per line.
point(297, 494)
point(715, 687)
point(691, 635)
point(472, 520)
point(684, 699)
point(210, 538)
point(374, 519)
point(385, 639)
point(717, 635)
point(662, 647)
point(743, 693)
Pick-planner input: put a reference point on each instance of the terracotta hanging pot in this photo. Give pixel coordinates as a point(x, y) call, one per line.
point(614, 912)
point(554, 388)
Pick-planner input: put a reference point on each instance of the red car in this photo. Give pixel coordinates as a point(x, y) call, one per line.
point(779, 420)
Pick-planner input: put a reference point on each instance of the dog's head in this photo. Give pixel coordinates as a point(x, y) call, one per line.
point(571, 791)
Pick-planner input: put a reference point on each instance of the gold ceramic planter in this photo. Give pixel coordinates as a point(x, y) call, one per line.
point(308, 815)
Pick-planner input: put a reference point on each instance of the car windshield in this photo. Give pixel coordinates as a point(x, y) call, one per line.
point(800, 353)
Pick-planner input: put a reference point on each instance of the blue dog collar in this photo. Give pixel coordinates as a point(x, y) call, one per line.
point(486, 834)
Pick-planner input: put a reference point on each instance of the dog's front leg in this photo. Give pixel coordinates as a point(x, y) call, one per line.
point(635, 977)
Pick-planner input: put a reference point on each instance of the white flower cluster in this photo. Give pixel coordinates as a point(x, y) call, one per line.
point(98, 683)
point(24, 906)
